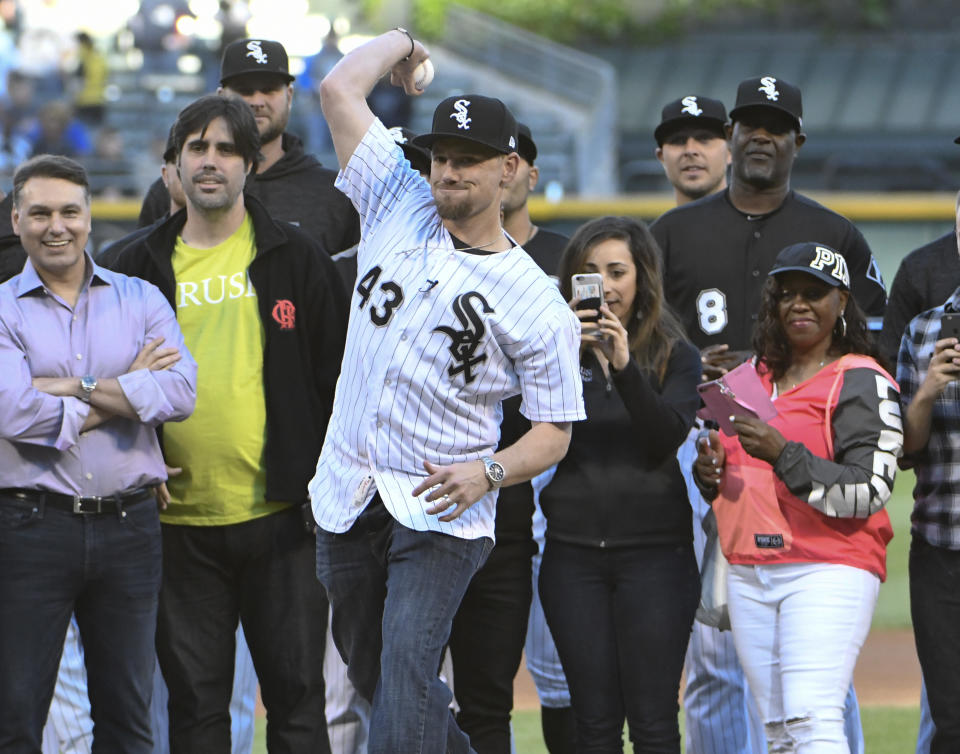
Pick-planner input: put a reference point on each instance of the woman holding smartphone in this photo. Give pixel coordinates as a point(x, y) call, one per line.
point(619, 581)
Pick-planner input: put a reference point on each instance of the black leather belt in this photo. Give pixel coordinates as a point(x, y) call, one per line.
point(77, 503)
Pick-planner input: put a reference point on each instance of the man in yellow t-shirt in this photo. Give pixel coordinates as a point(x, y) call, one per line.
point(262, 309)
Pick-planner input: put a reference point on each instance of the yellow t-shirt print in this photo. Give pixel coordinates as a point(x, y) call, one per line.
point(221, 445)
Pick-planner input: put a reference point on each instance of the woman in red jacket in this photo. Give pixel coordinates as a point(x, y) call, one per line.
point(799, 500)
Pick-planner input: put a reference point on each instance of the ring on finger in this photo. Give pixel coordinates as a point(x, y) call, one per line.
point(446, 498)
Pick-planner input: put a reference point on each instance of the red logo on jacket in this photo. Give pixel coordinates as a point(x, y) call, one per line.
point(285, 313)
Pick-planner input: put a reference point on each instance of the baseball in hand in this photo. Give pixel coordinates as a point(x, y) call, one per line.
point(423, 75)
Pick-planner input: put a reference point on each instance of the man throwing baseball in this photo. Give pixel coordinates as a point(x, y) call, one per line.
point(448, 317)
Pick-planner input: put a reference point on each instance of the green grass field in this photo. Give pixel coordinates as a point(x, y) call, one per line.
point(886, 730)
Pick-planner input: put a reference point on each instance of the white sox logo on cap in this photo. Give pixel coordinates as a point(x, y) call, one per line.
point(690, 106)
point(768, 85)
point(256, 52)
point(460, 114)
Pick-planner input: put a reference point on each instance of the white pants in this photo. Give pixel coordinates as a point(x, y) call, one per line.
point(798, 629)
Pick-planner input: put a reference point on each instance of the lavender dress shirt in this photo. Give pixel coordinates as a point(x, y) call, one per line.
point(41, 446)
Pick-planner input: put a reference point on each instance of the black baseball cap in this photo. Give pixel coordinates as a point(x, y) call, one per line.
point(170, 150)
point(691, 111)
point(526, 147)
point(768, 91)
point(816, 259)
point(484, 120)
point(418, 156)
point(254, 56)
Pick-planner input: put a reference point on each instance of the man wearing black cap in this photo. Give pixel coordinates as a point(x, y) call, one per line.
point(487, 640)
point(448, 318)
point(717, 253)
point(290, 183)
point(692, 146)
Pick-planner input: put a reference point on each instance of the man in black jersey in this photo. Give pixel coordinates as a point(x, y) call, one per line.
point(491, 624)
point(718, 250)
point(717, 253)
point(544, 246)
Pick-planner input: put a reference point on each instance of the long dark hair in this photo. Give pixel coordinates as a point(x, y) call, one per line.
point(770, 341)
point(652, 327)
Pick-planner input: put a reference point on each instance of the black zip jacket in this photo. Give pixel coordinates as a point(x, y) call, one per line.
point(304, 316)
point(620, 484)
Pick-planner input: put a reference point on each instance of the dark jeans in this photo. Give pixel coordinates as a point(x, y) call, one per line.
point(935, 610)
point(486, 644)
point(394, 592)
point(104, 567)
point(262, 573)
point(621, 620)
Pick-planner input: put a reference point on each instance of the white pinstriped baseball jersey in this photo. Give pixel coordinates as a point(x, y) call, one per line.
point(437, 338)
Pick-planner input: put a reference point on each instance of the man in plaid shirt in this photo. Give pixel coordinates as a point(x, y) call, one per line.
point(928, 366)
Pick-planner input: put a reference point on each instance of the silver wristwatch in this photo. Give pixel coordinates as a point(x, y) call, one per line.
point(494, 472)
point(87, 385)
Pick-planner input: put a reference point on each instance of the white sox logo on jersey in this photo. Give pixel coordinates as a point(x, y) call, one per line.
point(690, 106)
point(256, 52)
point(460, 114)
point(465, 341)
point(827, 258)
point(768, 85)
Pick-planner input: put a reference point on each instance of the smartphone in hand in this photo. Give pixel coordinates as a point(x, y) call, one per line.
point(588, 287)
point(949, 326)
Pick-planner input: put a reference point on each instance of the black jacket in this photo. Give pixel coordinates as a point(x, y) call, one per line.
point(302, 352)
point(12, 255)
point(620, 483)
point(297, 189)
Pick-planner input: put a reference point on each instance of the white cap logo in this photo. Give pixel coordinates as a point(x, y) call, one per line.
point(460, 115)
point(834, 261)
point(768, 85)
point(256, 52)
point(690, 106)
point(513, 143)
point(397, 135)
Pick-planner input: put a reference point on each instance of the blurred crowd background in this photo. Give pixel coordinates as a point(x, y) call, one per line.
point(102, 81)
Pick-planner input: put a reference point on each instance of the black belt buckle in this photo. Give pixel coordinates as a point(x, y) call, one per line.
point(87, 505)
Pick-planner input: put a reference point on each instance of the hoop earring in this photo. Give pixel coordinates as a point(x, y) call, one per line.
point(842, 322)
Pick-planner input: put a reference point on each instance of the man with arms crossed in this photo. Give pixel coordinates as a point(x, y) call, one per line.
point(92, 361)
point(262, 309)
point(448, 319)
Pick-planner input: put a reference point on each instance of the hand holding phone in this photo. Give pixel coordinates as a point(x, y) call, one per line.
point(949, 326)
point(588, 287)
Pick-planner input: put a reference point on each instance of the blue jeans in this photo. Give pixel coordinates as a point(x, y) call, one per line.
point(106, 568)
point(394, 592)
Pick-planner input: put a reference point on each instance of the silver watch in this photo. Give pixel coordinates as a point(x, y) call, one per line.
point(87, 385)
point(494, 472)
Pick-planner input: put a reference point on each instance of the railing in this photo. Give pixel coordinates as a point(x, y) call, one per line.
point(582, 81)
